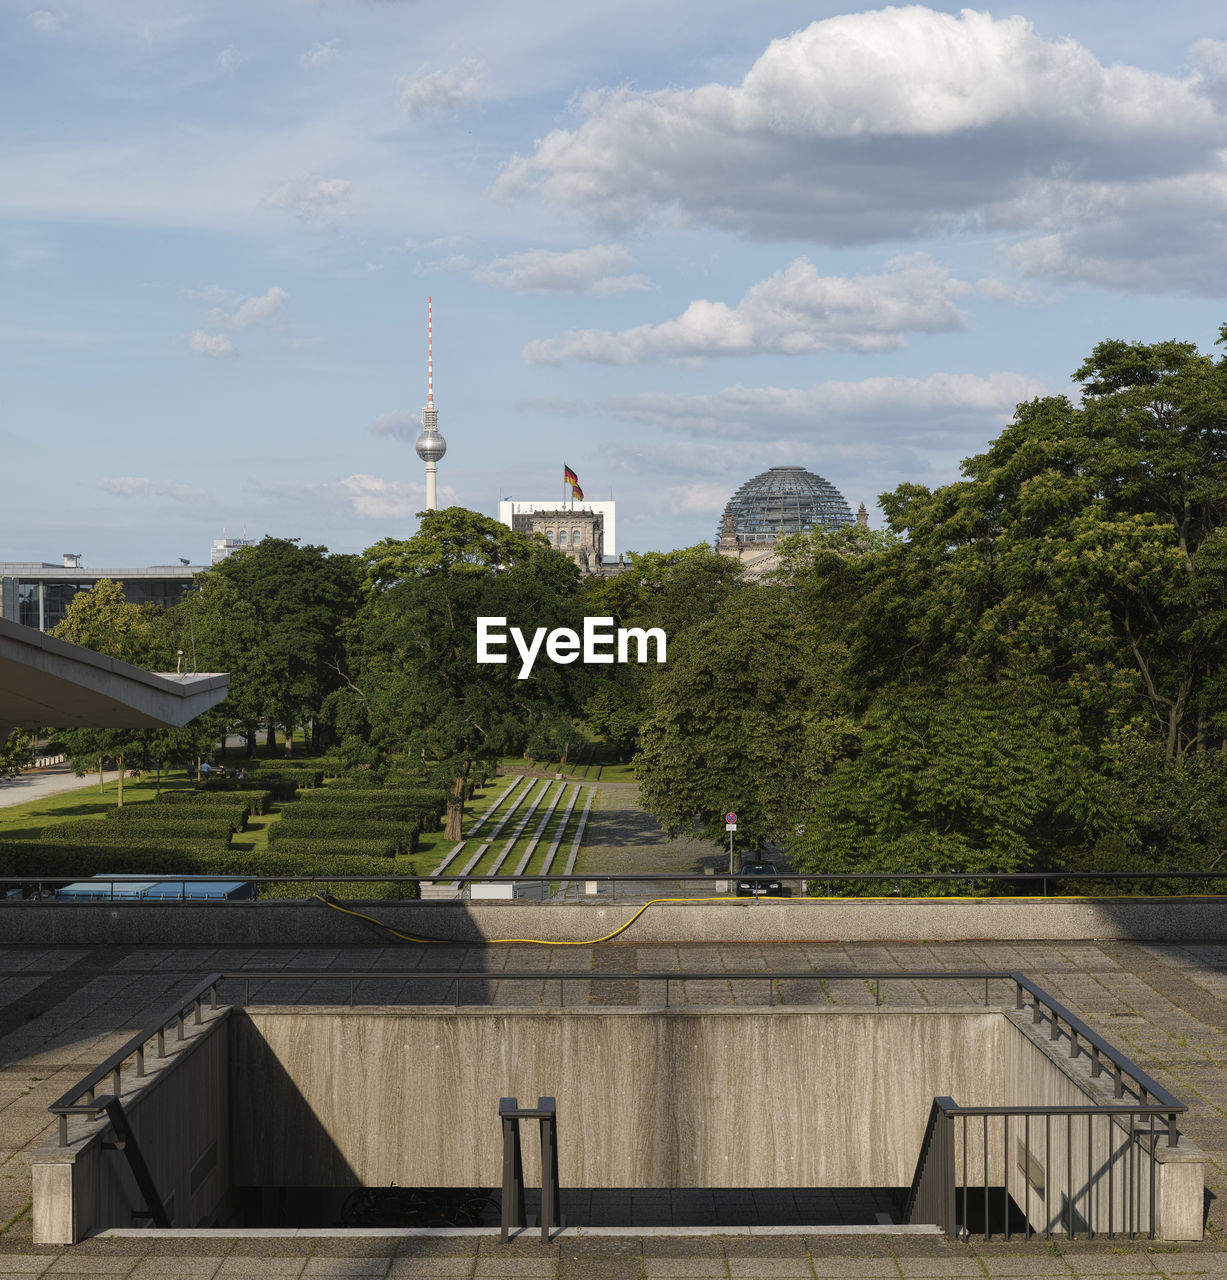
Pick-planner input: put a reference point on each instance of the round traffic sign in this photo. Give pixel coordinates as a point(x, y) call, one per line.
point(730, 817)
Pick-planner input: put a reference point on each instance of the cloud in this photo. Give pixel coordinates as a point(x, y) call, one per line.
point(399, 424)
point(315, 201)
point(376, 499)
point(216, 345)
point(604, 269)
point(256, 310)
point(227, 60)
point(794, 312)
point(320, 54)
point(46, 21)
point(904, 122)
point(442, 92)
point(144, 487)
point(963, 404)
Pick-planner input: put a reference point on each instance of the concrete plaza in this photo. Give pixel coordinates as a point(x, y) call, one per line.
point(63, 1010)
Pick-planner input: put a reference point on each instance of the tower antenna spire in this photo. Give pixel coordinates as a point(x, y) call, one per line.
point(430, 444)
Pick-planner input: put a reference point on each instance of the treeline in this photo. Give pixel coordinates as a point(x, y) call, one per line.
point(1023, 671)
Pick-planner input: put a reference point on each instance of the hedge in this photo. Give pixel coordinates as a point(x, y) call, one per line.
point(311, 825)
point(75, 861)
point(166, 832)
point(356, 813)
point(425, 797)
point(311, 847)
point(278, 788)
point(142, 815)
point(257, 801)
point(30, 859)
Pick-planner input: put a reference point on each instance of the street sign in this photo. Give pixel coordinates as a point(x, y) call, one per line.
point(730, 826)
point(730, 817)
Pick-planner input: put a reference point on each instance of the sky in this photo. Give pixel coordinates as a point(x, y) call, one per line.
point(668, 244)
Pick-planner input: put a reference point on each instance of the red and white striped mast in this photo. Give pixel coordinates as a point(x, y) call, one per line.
point(430, 444)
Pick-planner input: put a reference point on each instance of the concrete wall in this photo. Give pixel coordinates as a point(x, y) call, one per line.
point(646, 1098)
point(807, 920)
point(180, 1115)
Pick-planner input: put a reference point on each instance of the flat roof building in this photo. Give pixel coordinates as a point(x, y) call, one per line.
point(38, 594)
point(516, 514)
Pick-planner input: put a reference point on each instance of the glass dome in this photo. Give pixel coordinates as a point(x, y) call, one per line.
point(786, 500)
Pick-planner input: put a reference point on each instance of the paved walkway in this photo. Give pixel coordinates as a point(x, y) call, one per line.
point(38, 783)
point(62, 1011)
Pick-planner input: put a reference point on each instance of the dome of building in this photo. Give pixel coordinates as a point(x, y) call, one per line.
point(781, 501)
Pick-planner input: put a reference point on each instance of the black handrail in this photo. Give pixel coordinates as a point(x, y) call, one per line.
point(604, 877)
point(70, 1103)
point(1077, 1031)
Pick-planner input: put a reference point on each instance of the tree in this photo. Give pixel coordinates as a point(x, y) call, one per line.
point(14, 753)
point(749, 714)
point(416, 687)
point(288, 640)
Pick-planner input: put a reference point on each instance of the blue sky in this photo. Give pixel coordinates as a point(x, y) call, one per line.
point(668, 244)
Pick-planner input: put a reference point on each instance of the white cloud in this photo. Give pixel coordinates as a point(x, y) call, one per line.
point(794, 312)
point(227, 60)
point(46, 21)
point(376, 499)
point(216, 345)
point(145, 487)
point(966, 405)
point(399, 424)
point(603, 269)
point(442, 92)
point(898, 123)
point(321, 54)
point(315, 201)
point(256, 310)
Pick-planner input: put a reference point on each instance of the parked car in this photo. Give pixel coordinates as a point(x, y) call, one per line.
point(759, 879)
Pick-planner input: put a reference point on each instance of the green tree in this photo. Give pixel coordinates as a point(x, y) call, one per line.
point(416, 687)
point(14, 753)
point(287, 641)
point(749, 714)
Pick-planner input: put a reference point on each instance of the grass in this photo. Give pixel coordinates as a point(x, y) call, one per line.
point(25, 821)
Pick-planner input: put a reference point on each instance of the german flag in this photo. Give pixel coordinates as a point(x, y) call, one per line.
point(569, 477)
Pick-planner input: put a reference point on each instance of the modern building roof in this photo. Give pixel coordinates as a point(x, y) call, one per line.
point(784, 500)
point(45, 681)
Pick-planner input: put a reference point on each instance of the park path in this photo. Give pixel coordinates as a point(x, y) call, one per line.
point(36, 784)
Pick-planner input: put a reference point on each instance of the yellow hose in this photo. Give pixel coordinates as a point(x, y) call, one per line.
point(588, 942)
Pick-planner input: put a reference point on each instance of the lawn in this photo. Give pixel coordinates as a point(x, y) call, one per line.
point(26, 821)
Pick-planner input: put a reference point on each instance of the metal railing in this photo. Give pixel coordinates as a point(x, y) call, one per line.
point(1119, 1190)
point(1084, 1170)
point(133, 1051)
point(801, 884)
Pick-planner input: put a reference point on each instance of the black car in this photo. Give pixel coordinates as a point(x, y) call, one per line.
point(759, 879)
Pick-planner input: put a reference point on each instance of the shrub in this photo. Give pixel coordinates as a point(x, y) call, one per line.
point(143, 815)
point(256, 801)
point(297, 825)
point(168, 832)
point(311, 847)
point(76, 861)
point(278, 788)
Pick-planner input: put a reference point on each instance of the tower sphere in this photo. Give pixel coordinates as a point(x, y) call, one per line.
point(784, 500)
point(430, 445)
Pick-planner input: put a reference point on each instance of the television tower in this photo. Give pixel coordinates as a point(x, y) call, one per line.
point(430, 444)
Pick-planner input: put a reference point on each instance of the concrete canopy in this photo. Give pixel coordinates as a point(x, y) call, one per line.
point(48, 682)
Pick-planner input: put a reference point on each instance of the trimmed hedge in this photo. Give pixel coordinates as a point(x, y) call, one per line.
point(30, 859)
point(278, 788)
point(167, 832)
point(404, 835)
point(356, 813)
point(313, 848)
point(142, 815)
point(75, 861)
point(257, 801)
